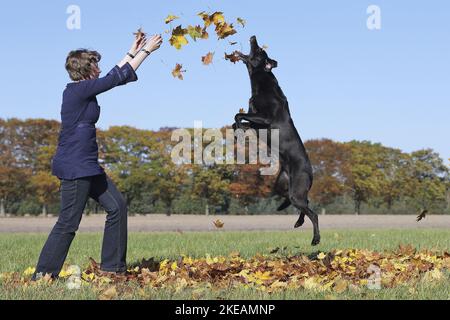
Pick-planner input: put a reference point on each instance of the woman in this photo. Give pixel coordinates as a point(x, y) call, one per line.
point(76, 160)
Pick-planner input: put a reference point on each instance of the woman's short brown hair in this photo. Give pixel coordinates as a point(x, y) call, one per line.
point(80, 63)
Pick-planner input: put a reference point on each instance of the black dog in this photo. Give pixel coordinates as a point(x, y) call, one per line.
point(268, 108)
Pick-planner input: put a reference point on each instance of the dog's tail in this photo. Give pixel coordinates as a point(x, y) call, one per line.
point(284, 205)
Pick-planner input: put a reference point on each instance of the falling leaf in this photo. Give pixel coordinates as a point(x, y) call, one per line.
point(197, 33)
point(178, 38)
point(422, 215)
point(241, 21)
point(208, 58)
point(170, 18)
point(139, 33)
point(177, 72)
point(218, 224)
point(241, 110)
point(265, 47)
point(217, 18)
point(224, 30)
point(232, 43)
point(232, 57)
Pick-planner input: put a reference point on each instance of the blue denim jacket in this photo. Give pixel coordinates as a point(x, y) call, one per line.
point(77, 152)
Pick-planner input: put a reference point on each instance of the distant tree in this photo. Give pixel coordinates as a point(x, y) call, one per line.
point(367, 179)
point(210, 183)
point(331, 167)
point(428, 179)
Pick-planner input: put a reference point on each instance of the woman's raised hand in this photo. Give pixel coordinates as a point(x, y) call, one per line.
point(138, 43)
point(153, 43)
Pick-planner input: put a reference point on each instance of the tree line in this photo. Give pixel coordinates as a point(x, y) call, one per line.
point(349, 177)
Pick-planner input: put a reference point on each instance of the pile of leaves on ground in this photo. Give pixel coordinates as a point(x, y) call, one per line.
point(334, 271)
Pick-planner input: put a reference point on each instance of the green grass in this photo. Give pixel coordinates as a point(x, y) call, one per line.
point(19, 251)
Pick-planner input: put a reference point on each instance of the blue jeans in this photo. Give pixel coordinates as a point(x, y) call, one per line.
point(74, 195)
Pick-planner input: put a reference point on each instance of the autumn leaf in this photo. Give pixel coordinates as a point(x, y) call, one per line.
point(208, 58)
point(197, 33)
point(340, 286)
point(265, 47)
point(178, 38)
point(232, 43)
point(29, 271)
point(242, 110)
point(139, 33)
point(108, 294)
point(232, 57)
point(422, 215)
point(205, 18)
point(224, 30)
point(218, 224)
point(241, 21)
point(321, 256)
point(177, 72)
point(170, 18)
point(217, 18)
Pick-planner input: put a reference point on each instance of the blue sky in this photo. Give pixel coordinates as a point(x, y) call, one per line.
point(342, 80)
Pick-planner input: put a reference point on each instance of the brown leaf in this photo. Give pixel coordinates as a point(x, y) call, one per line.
point(108, 294)
point(208, 58)
point(177, 71)
point(232, 57)
point(139, 33)
point(422, 215)
point(218, 224)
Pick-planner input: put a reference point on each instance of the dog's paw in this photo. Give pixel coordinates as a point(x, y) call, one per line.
point(299, 222)
point(315, 241)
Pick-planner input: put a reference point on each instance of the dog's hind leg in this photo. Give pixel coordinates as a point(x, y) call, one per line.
point(298, 194)
point(315, 221)
point(281, 188)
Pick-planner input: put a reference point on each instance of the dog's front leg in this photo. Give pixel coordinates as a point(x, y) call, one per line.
point(252, 118)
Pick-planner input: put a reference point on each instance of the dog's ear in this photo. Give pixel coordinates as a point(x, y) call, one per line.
point(270, 64)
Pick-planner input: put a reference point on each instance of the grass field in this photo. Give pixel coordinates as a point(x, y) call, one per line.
point(19, 251)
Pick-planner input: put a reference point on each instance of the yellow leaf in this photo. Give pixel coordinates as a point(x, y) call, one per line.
point(87, 277)
point(224, 30)
point(178, 38)
point(29, 271)
point(321, 256)
point(170, 18)
point(241, 21)
point(174, 266)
